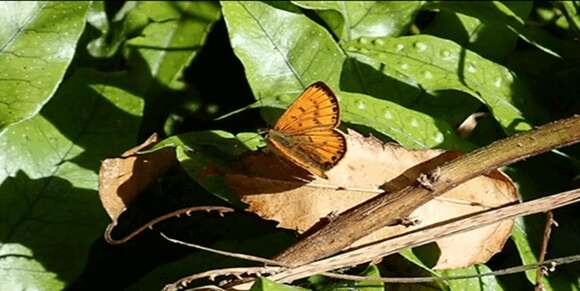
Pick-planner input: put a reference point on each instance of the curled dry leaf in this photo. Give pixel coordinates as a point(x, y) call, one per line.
point(278, 191)
point(122, 179)
point(468, 125)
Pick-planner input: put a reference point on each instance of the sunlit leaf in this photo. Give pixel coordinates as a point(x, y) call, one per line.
point(50, 210)
point(176, 33)
point(281, 62)
point(437, 64)
point(37, 43)
point(354, 19)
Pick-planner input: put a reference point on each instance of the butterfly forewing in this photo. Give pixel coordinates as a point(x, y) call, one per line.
point(317, 107)
point(306, 133)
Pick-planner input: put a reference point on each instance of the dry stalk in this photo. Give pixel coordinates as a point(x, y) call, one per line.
point(550, 222)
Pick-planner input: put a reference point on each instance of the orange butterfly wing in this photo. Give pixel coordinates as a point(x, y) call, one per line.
point(306, 133)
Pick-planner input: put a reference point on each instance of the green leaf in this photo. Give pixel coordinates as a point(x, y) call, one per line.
point(49, 207)
point(571, 9)
point(200, 152)
point(491, 40)
point(128, 22)
point(168, 44)
point(369, 285)
point(322, 283)
point(421, 120)
point(97, 16)
point(481, 283)
point(525, 250)
point(497, 12)
point(281, 49)
point(410, 128)
point(354, 19)
point(279, 64)
point(437, 64)
point(37, 43)
point(264, 284)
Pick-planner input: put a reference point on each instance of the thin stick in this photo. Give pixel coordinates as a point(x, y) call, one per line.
point(547, 231)
point(506, 271)
point(225, 253)
point(150, 224)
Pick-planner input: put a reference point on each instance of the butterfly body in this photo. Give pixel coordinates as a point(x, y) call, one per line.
point(307, 135)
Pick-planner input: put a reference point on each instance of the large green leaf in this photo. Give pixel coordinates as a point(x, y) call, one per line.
point(49, 208)
point(37, 43)
point(283, 51)
point(355, 19)
point(438, 64)
point(411, 128)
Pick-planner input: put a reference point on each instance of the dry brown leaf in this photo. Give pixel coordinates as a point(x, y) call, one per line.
point(468, 125)
point(122, 179)
point(270, 187)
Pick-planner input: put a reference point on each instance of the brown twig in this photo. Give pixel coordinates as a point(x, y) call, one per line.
point(428, 234)
point(150, 224)
point(542, 268)
point(387, 208)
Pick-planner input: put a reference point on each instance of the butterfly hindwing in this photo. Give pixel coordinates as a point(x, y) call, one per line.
point(296, 156)
point(326, 148)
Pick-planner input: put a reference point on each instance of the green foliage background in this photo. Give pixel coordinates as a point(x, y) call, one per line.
point(83, 81)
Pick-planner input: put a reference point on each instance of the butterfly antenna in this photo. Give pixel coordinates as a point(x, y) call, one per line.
point(251, 106)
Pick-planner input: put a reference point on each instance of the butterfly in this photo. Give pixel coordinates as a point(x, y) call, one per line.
point(306, 134)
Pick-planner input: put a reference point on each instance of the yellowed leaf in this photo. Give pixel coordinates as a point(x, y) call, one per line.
point(122, 179)
point(278, 191)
